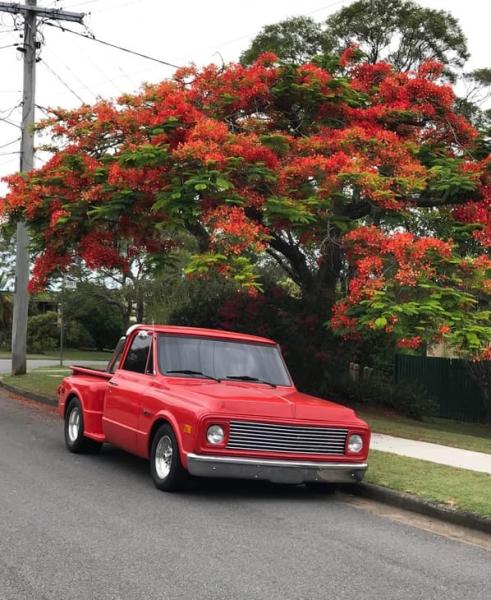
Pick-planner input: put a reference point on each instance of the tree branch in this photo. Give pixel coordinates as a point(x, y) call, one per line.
point(277, 257)
point(297, 260)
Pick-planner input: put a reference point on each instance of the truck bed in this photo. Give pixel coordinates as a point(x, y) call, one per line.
point(81, 370)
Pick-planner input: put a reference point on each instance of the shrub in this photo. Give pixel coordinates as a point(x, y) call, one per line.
point(42, 332)
point(410, 399)
point(77, 336)
point(305, 342)
point(100, 319)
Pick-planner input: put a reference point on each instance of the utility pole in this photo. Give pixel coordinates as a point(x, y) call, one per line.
point(31, 12)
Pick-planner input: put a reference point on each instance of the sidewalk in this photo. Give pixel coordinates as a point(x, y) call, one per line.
point(444, 455)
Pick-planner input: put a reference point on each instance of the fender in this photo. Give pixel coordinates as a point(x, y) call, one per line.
point(164, 415)
point(90, 393)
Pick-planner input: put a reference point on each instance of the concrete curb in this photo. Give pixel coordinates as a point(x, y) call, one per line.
point(28, 395)
point(418, 505)
point(365, 490)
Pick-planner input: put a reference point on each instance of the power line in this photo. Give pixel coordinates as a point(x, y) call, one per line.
point(316, 10)
point(62, 81)
point(16, 125)
point(122, 48)
point(97, 66)
point(5, 114)
point(8, 45)
point(73, 73)
point(10, 143)
point(77, 4)
point(119, 6)
point(248, 35)
point(8, 162)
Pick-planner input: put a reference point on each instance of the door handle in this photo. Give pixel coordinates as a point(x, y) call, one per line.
point(146, 413)
point(113, 383)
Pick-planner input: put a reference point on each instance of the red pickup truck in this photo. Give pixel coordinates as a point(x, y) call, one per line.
point(210, 403)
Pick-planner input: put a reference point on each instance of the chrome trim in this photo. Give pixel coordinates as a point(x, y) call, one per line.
point(301, 464)
point(281, 437)
point(281, 471)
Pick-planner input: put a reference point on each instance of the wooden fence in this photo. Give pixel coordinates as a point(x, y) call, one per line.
point(448, 382)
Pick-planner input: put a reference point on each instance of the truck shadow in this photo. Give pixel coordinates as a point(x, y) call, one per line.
point(208, 488)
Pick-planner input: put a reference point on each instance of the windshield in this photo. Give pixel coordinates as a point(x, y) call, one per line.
point(221, 359)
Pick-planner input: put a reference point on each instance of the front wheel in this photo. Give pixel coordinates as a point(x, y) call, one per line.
point(165, 463)
point(74, 430)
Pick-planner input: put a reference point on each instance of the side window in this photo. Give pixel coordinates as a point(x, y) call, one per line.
point(136, 359)
point(149, 370)
point(116, 357)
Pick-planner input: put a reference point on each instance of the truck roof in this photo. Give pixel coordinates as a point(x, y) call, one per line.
point(202, 332)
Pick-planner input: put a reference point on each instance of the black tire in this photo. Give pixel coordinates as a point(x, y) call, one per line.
point(320, 487)
point(170, 475)
point(74, 430)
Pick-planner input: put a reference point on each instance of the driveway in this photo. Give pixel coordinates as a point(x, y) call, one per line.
point(94, 527)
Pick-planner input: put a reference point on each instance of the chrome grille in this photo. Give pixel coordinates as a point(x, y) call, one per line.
point(249, 435)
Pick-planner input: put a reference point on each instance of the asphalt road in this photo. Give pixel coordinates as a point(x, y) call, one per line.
point(94, 527)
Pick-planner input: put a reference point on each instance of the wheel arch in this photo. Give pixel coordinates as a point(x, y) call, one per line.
point(164, 419)
point(71, 396)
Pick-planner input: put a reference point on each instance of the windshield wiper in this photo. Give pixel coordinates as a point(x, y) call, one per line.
point(249, 378)
point(190, 372)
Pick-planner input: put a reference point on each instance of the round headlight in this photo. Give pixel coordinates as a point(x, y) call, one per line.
point(355, 443)
point(215, 434)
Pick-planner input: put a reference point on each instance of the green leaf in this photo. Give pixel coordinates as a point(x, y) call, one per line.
point(223, 184)
point(380, 323)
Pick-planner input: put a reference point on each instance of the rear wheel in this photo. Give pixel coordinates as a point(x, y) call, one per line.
point(168, 474)
point(74, 430)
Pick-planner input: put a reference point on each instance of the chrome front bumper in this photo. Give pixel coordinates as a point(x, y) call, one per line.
point(278, 471)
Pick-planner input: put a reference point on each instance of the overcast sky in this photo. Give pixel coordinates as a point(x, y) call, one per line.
point(74, 69)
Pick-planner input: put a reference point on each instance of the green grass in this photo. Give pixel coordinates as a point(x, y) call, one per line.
point(454, 488)
point(469, 436)
point(68, 355)
point(43, 381)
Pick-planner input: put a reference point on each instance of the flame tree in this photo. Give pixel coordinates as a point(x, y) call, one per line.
point(361, 182)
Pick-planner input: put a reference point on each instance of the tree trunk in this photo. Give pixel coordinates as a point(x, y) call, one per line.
point(318, 287)
point(127, 313)
point(321, 296)
point(140, 305)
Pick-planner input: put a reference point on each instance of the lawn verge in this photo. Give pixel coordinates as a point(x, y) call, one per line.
point(42, 382)
point(68, 355)
point(468, 436)
point(438, 485)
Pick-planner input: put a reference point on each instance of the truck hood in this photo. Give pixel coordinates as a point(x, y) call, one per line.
point(258, 400)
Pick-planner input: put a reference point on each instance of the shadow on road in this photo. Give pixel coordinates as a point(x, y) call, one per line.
point(205, 488)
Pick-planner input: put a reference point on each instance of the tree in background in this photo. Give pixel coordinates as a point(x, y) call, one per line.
point(93, 320)
point(6, 304)
point(337, 170)
point(396, 31)
point(400, 32)
point(295, 40)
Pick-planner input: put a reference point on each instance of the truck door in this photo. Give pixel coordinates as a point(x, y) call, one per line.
point(125, 392)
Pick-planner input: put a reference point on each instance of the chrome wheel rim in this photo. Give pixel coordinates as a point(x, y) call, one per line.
point(163, 456)
point(74, 424)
